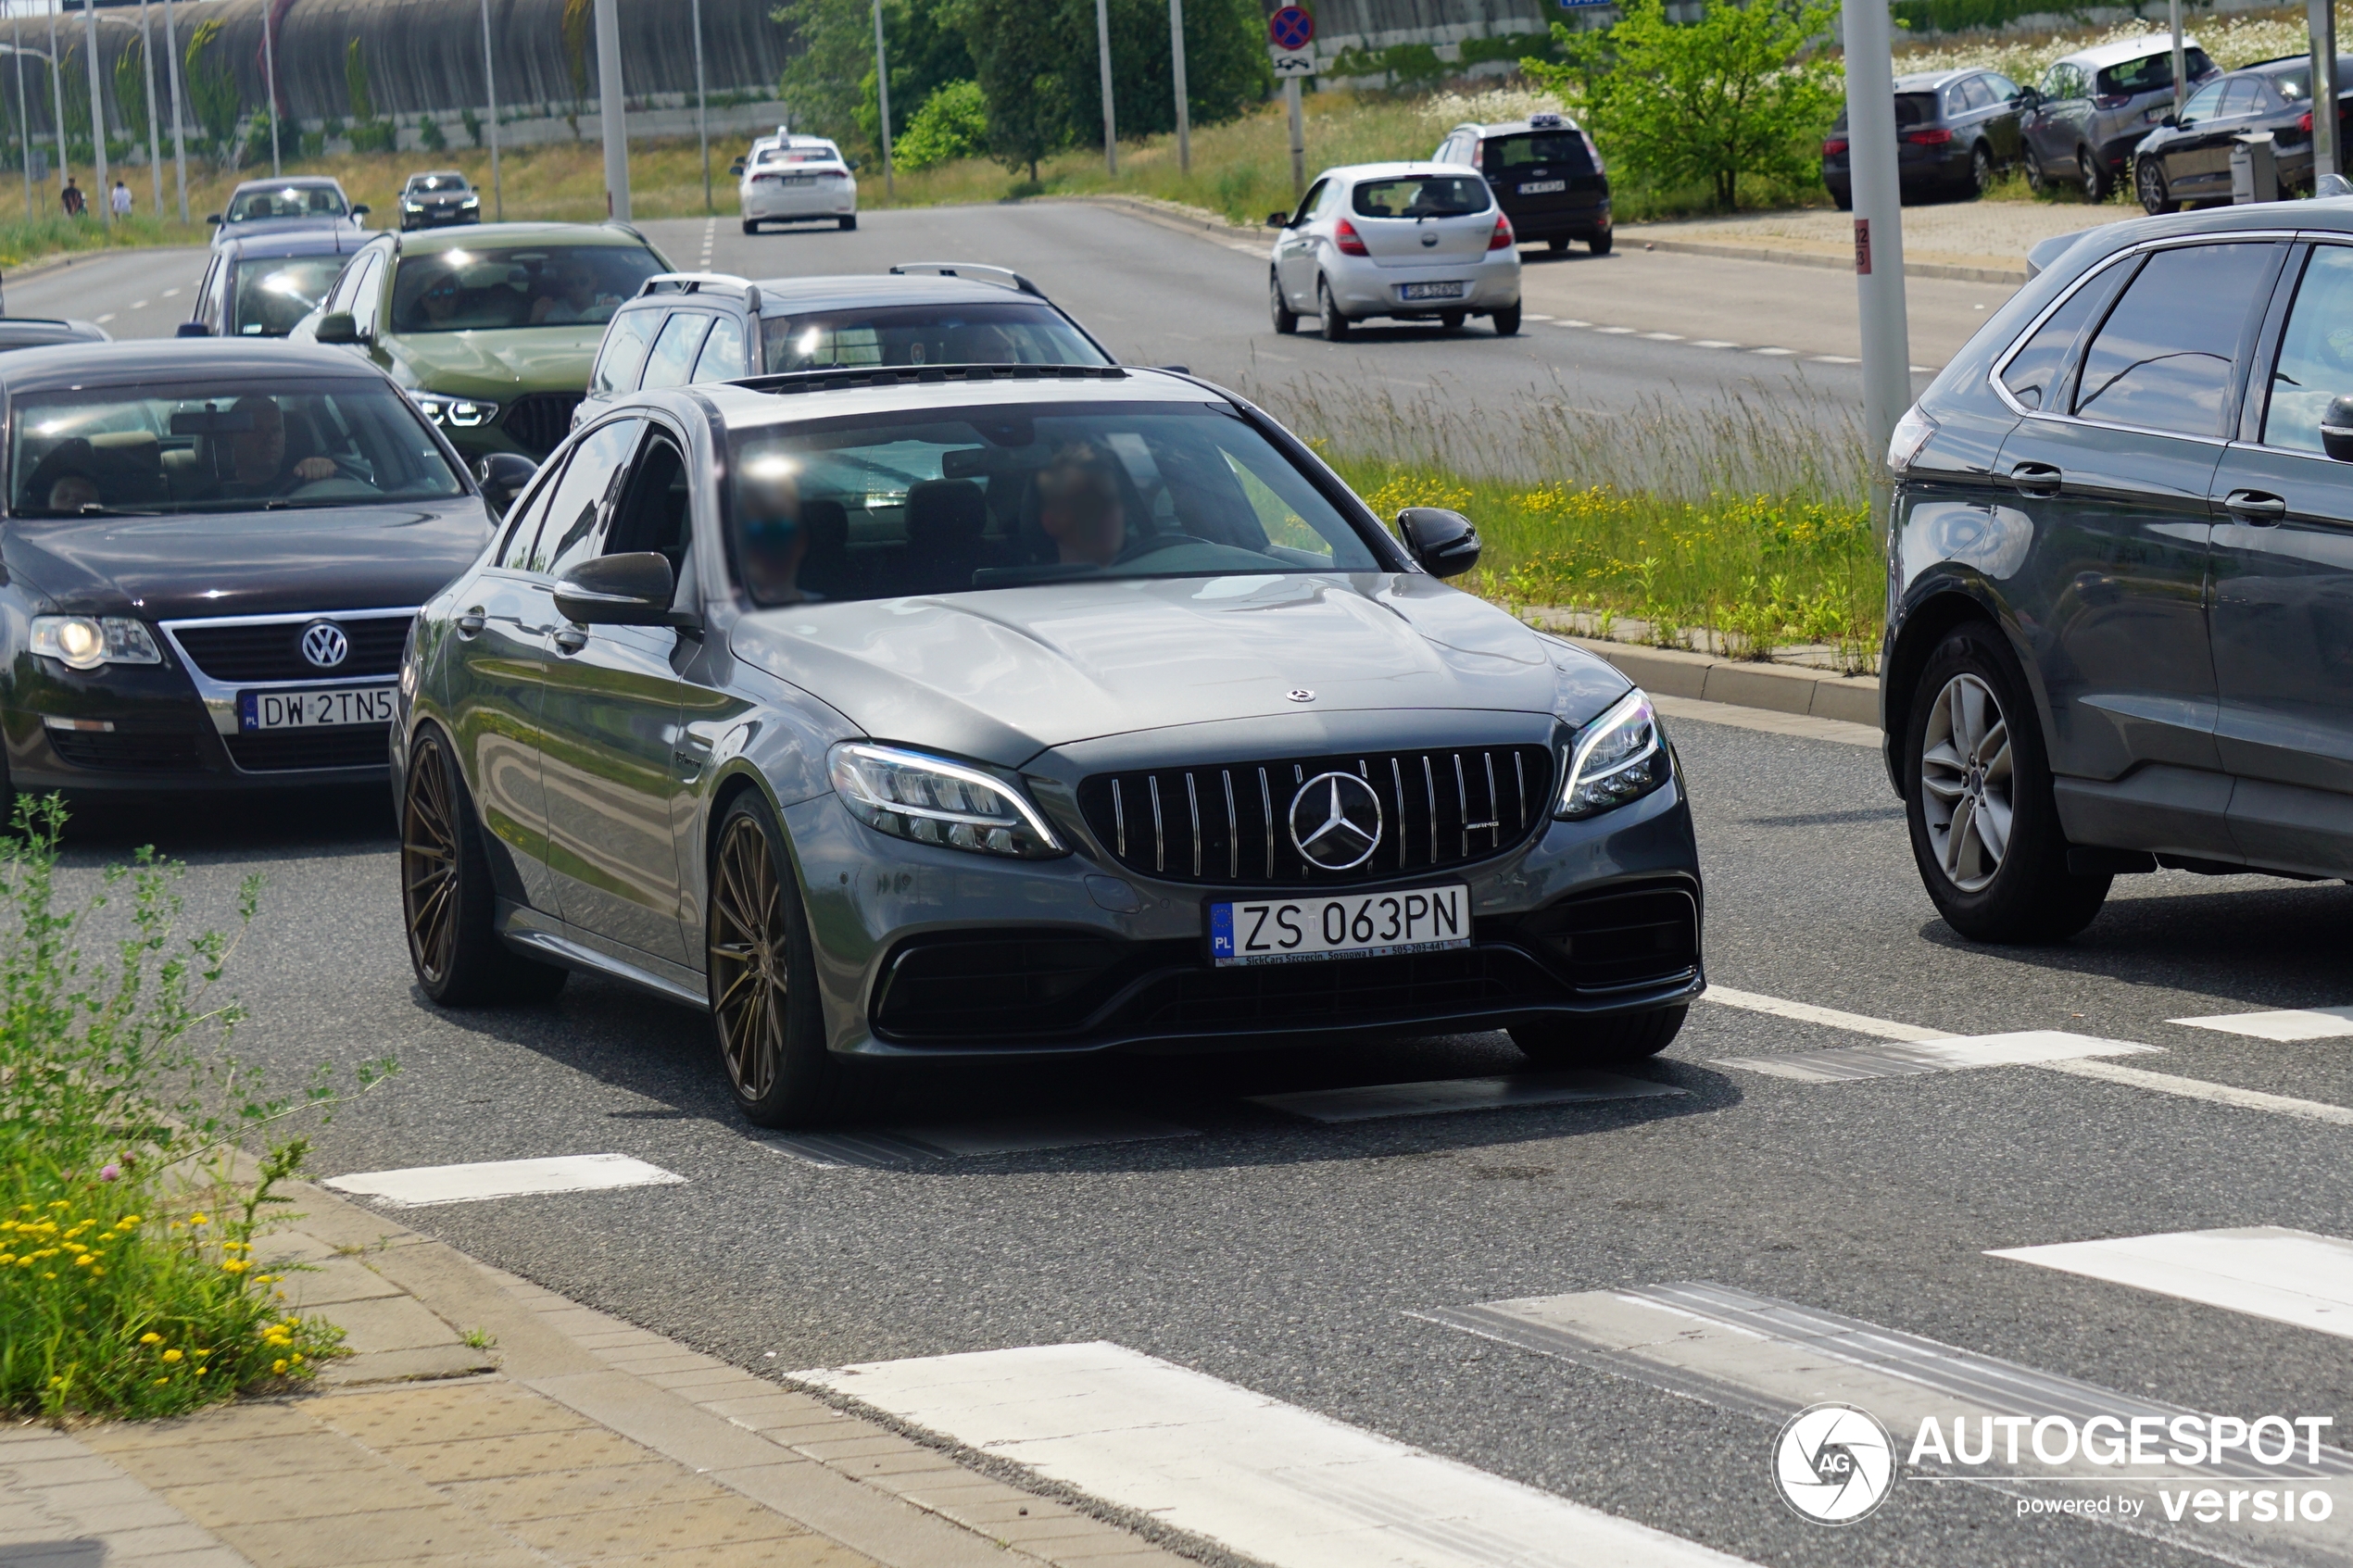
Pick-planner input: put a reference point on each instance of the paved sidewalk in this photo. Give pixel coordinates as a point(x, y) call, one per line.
point(483, 1422)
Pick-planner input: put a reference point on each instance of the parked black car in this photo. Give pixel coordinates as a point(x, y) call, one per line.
point(2186, 161)
point(1954, 131)
point(261, 287)
point(2120, 604)
point(212, 554)
point(2092, 108)
point(1547, 176)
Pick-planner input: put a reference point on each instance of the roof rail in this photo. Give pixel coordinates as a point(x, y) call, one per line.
point(700, 282)
point(861, 376)
point(960, 269)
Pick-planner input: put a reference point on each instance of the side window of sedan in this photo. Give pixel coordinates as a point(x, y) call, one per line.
point(656, 509)
point(2034, 372)
point(2162, 360)
point(2315, 365)
point(623, 355)
point(579, 508)
point(723, 352)
point(522, 525)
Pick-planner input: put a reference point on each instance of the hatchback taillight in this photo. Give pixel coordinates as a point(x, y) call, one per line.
point(2113, 100)
point(1933, 136)
point(1348, 241)
point(1834, 146)
point(1502, 239)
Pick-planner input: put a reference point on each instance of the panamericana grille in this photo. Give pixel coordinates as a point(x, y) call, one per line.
point(345, 746)
point(272, 651)
point(537, 421)
point(1231, 822)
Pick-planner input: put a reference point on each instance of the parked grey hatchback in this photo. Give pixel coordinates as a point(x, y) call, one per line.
point(2121, 602)
point(961, 712)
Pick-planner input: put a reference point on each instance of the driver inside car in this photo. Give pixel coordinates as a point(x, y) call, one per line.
point(257, 454)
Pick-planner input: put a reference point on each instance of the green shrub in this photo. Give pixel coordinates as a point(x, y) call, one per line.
point(472, 122)
point(378, 136)
point(953, 123)
point(429, 135)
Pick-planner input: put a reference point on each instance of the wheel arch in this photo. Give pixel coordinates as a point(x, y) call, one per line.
point(1926, 624)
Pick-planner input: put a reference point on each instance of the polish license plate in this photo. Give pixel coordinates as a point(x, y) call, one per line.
point(314, 710)
point(1543, 187)
point(1429, 291)
point(1346, 925)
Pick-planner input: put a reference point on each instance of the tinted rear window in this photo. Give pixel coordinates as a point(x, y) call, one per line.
point(1421, 196)
point(979, 333)
point(1912, 109)
point(1559, 152)
point(2162, 358)
point(2147, 74)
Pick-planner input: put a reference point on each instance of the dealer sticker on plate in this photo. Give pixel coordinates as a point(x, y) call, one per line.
point(1353, 925)
point(314, 710)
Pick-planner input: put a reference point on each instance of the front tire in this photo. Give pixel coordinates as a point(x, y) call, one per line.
point(1984, 823)
point(2092, 175)
point(2037, 181)
point(1507, 321)
point(2148, 182)
point(751, 226)
point(1286, 319)
point(850, 221)
point(1599, 1042)
point(762, 973)
point(446, 900)
point(1329, 320)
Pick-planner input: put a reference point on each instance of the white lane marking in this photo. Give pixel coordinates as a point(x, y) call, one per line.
point(1923, 369)
point(2292, 1023)
point(888, 1149)
point(1571, 321)
point(2289, 1276)
point(1266, 1480)
point(1714, 342)
point(1664, 337)
point(169, 293)
point(1774, 351)
point(1372, 1102)
point(424, 1185)
point(1532, 316)
point(1831, 359)
point(136, 305)
point(105, 318)
point(2030, 1047)
point(1613, 331)
point(1807, 1012)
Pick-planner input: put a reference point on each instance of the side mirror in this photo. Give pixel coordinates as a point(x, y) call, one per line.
point(626, 590)
point(361, 211)
point(1444, 542)
point(2172, 121)
point(212, 218)
point(336, 326)
point(2336, 430)
point(503, 475)
point(736, 167)
point(193, 329)
point(1278, 220)
point(2028, 98)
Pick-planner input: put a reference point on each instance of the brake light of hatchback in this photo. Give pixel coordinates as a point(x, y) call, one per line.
point(1348, 241)
point(1502, 239)
point(1933, 136)
point(1834, 146)
point(2113, 101)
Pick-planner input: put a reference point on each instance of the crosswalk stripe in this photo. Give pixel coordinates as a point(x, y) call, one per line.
point(2291, 1023)
point(1268, 1481)
point(2029, 1047)
point(1371, 1101)
point(419, 1186)
point(2289, 1276)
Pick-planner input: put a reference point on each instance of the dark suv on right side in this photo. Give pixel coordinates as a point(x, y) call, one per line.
point(2120, 597)
point(1546, 174)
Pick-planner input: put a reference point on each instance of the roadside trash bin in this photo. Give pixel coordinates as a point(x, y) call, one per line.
point(2255, 170)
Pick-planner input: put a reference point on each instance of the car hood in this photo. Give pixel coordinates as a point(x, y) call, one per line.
point(245, 563)
point(252, 228)
point(496, 365)
point(1005, 674)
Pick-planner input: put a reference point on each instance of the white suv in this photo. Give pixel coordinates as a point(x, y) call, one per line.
point(1409, 241)
point(795, 179)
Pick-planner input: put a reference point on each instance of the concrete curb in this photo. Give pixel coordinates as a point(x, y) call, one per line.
point(1835, 260)
point(1170, 215)
point(1778, 688)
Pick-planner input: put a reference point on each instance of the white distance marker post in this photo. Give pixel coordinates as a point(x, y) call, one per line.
point(612, 110)
point(1878, 236)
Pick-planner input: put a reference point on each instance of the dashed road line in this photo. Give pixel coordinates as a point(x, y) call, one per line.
point(2292, 1024)
point(1713, 343)
point(420, 1186)
point(1831, 359)
point(105, 318)
point(1374, 1102)
point(1777, 352)
point(2217, 1094)
point(2031, 1047)
point(1613, 331)
point(1664, 337)
point(136, 305)
point(2270, 1272)
point(1265, 1480)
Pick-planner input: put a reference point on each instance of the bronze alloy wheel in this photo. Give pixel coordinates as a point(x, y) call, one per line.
point(748, 961)
point(429, 863)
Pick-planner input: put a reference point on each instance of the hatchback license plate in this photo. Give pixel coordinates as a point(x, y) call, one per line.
point(1430, 291)
point(314, 710)
point(1353, 925)
point(1543, 187)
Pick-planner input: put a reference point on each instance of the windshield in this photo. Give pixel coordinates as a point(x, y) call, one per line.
point(983, 334)
point(940, 503)
point(221, 447)
point(288, 201)
point(1421, 196)
point(428, 183)
point(478, 289)
point(1560, 152)
point(272, 295)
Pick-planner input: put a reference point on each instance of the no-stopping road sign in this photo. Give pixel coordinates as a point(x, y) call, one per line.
point(1290, 30)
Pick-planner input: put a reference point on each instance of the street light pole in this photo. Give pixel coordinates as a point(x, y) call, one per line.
point(98, 112)
point(1177, 58)
point(179, 136)
point(2181, 67)
point(269, 73)
point(702, 106)
point(155, 140)
point(2327, 157)
point(24, 113)
point(1879, 234)
point(1102, 48)
point(611, 109)
point(490, 89)
point(56, 94)
point(882, 90)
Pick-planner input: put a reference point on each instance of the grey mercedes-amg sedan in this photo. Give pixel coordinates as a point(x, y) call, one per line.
point(1006, 710)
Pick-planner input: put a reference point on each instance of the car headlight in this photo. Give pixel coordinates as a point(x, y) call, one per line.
point(412, 207)
point(84, 641)
point(1619, 756)
point(464, 413)
point(932, 800)
point(470, 201)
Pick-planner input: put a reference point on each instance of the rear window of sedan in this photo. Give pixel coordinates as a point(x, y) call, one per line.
point(288, 201)
point(987, 333)
point(1420, 195)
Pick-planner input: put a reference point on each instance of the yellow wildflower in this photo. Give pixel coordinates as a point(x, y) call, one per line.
point(151, 1338)
point(234, 1265)
point(127, 1220)
point(172, 1355)
point(198, 1220)
point(278, 1366)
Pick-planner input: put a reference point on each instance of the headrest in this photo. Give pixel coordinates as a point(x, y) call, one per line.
point(826, 525)
point(945, 512)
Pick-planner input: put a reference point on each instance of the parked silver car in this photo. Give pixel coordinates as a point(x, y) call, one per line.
point(1415, 242)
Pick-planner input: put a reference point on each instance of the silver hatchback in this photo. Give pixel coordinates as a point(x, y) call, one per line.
point(1413, 242)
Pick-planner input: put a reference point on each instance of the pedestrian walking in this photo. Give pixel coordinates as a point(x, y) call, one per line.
point(75, 204)
point(120, 198)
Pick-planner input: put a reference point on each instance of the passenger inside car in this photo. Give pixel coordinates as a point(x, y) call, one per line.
point(1079, 509)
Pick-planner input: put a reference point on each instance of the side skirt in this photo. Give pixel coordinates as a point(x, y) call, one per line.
point(550, 940)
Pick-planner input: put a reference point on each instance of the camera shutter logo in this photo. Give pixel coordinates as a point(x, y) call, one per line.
point(1335, 821)
point(1834, 1464)
point(325, 644)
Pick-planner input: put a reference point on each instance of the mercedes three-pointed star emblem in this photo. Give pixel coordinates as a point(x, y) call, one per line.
point(1336, 821)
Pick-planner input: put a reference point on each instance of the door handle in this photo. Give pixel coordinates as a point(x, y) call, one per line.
point(471, 622)
point(2036, 479)
point(572, 639)
point(2257, 507)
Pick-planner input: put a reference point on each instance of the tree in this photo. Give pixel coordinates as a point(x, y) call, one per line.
point(953, 123)
point(1740, 92)
point(212, 90)
point(830, 84)
point(1017, 45)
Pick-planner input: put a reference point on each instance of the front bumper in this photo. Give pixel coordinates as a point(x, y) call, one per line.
point(932, 953)
point(442, 220)
point(1362, 287)
point(143, 730)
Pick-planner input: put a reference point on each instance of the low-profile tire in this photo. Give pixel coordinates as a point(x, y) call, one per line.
point(2091, 175)
point(1599, 245)
point(1598, 1042)
point(1981, 172)
point(2148, 184)
point(1984, 823)
point(751, 226)
point(1329, 320)
point(850, 221)
point(1506, 320)
point(1451, 321)
point(1286, 319)
point(765, 1011)
point(447, 901)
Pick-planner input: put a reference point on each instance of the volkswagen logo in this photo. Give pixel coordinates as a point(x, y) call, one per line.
point(1335, 821)
point(325, 644)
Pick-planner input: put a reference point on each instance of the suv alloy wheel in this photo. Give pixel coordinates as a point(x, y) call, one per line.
point(2092, 174)
point(2148, 178)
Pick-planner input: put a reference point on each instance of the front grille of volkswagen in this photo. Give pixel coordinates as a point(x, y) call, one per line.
point(1229, 822)
point(537, 421)
point(271, 650)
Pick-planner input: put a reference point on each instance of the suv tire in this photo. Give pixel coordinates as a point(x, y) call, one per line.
point(1599, 245)
point(1985, 824)
point(2091, 175)
point(448, 903)
point(1333, 324)
point(1598, 1042)
point(2037, 181)
point(850, 221)
point(1286, 318)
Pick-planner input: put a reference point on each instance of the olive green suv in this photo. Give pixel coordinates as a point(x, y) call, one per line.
point(492, 329)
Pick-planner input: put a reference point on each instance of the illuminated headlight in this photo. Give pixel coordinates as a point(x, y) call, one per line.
point(931, 801)
point(470, 201)
point(1618, 757)
point(84, 641)
point(464, 413)
point(412, 207)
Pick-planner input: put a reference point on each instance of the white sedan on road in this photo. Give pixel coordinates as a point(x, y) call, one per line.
point(796, 179)
point(1409, 241)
